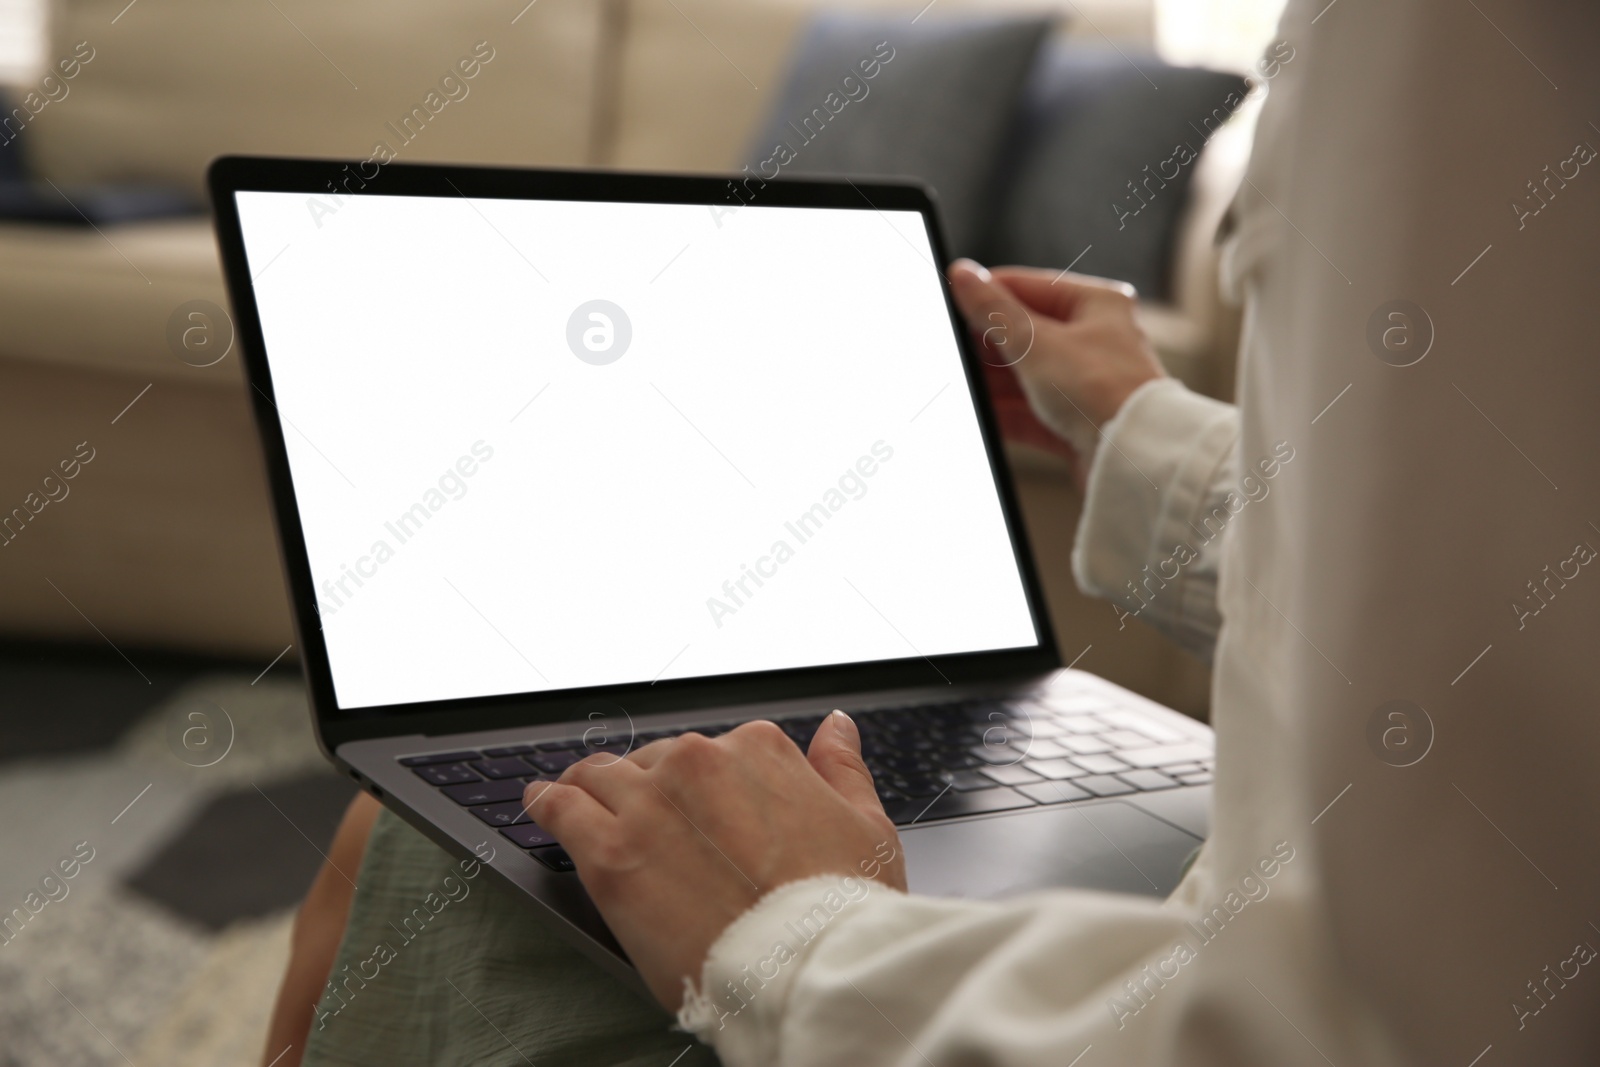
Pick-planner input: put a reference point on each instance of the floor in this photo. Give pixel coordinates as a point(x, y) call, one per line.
point(188, 801)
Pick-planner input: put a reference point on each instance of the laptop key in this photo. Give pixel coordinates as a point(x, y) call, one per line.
point(446, 773)
point(528, 835)
point(913, 743)
point(1163, 755)
point(494, 792)
point(1040, 729)
point(1104, 785)
point(994, 754)
point(555, 858)
point(1147, 781)
point(908, 764)
point(503, 767)
point(1042, 749)
point(1127, 739)
point(1081, 724)
point(1100, 764)
point(956, 759)
point(1198, 778)
point(944, 731)
point(1084, 744)
point(508, 814)
point(966, 781)
point(953, 805)
point(917, 785)
point(555, 762)
point(1144, 724)
point(1053, 792)
point(507, 750)
point(437, 757)
point(1055, 769)
point(1010, 775)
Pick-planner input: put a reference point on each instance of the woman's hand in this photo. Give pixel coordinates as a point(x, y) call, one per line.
point(1072, 344)
point(677, 840)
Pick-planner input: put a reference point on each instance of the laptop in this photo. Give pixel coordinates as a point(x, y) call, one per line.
point(563, 463)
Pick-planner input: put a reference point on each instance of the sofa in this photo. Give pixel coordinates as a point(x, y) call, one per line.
point(162, 537)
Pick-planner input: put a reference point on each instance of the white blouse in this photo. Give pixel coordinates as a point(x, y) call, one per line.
point(1404, 864)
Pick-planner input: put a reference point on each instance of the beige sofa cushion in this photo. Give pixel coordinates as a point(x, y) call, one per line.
point(174, 83)
point(69, 296)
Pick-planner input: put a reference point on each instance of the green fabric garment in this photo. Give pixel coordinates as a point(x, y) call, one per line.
point(442, 964)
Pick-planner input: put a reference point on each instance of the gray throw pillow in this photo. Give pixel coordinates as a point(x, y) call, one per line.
point(931, 99)
point(1102, 161)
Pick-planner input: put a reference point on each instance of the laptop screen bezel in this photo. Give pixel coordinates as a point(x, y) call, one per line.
point(233, 174)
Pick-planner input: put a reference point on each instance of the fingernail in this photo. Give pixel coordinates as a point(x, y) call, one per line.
point(847, 723)
point(973, 266)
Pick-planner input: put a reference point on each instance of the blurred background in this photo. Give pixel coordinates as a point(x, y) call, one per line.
point(151, 712)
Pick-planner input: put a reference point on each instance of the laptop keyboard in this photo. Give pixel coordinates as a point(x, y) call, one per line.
point(929, 762)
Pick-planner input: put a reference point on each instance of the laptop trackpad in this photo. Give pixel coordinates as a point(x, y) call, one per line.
point(1110, 845)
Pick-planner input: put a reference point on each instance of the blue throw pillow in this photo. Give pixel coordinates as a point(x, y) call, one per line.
point(24, 200)
point(13, 167)
point(930, 99)
point(1102, 160)
point(95, 205)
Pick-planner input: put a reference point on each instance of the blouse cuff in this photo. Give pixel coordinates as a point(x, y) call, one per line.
point(746, 977)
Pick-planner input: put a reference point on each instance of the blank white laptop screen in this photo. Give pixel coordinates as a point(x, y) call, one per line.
point(541, 445)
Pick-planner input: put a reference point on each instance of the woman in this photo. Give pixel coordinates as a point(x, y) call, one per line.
point(1402, 867)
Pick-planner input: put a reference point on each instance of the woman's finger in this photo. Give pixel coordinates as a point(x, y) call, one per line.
point(1060, 294)
point(1002, 326)
point(570, 813)
point(835, 752)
